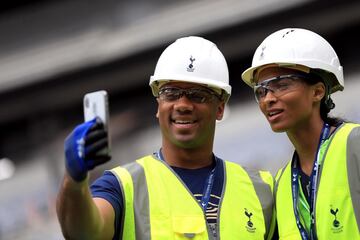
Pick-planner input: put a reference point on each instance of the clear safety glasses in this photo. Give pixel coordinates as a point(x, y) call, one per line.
point(278, 86)
point(196, 95)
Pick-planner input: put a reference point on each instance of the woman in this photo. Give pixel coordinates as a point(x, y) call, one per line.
point(317, 193)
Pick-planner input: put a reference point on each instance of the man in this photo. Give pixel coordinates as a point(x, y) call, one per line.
point(183, 190)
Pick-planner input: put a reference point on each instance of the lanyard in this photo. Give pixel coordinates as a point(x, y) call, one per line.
point(207, 189)
point(208, 183)
point(325, 132)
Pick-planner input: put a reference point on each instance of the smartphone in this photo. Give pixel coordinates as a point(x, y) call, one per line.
point(96, 105)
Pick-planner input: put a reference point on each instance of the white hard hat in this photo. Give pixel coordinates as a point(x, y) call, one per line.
point(192, 59)
point(300, 49)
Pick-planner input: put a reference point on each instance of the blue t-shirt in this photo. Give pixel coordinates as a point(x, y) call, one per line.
point(107, 187)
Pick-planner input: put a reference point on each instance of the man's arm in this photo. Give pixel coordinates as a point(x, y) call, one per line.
point(81, 216)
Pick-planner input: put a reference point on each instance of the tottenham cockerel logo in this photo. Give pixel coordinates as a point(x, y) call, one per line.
point(191, 68)
point(249, 225)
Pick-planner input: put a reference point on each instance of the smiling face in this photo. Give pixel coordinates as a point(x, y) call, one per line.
point(293, 108)
point(188, 124)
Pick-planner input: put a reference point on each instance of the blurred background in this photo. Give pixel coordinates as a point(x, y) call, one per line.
point(53, 52)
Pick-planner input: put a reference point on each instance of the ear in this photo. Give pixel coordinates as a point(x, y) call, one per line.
point(319, 91)
point(157, 112)
point(220, 111)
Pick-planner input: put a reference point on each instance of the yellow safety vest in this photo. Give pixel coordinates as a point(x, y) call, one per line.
point(158, 205)
point(337, 201)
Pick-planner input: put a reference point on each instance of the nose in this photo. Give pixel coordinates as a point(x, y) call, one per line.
point(183, 104)
point(269, 97)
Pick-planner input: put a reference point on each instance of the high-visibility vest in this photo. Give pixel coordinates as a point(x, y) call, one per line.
point(337, 201)
point(157, 204)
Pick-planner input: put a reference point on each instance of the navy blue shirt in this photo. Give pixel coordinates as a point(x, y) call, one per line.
point(107, 187)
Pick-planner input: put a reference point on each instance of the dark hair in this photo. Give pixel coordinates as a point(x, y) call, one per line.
point(324, 113)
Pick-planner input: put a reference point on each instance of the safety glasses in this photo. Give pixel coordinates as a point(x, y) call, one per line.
point(196, 95)
point(278, 86)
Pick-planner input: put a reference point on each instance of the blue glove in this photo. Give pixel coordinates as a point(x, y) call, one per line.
point(84, 149)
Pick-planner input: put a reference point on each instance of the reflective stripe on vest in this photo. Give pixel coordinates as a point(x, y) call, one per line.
point(337, 198)
point(132, 177)
point(159, 206)
point(353, 167)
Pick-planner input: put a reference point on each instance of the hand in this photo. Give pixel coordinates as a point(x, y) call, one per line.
point(86, 148)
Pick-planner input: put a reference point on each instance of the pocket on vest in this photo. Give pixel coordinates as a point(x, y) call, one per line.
point(189, 227)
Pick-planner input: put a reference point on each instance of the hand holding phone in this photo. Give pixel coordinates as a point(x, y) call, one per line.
point(89, 144)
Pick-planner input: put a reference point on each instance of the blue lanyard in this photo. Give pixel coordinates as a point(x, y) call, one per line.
point(207, 189)
point(208, 184)
point(325, 132)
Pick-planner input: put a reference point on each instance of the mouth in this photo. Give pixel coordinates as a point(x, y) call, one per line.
point(274, 114)
point(183, 122)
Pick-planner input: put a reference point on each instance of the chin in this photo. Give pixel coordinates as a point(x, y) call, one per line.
point(278, 128)
point(187, 142)
point(186, 145)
